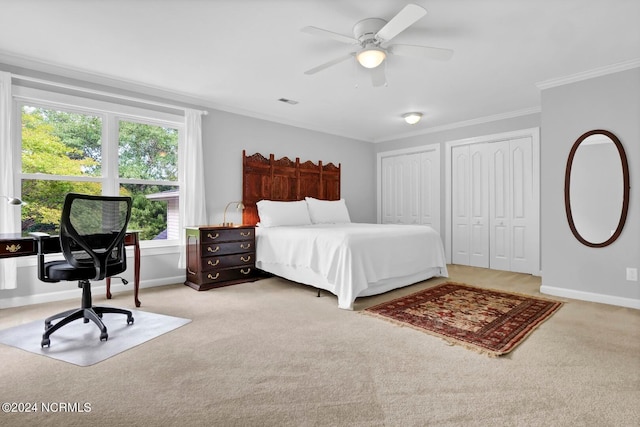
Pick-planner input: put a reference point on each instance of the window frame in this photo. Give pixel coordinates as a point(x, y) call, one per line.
point(111, 113)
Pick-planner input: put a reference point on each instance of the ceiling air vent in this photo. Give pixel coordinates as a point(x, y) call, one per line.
point(288, 101)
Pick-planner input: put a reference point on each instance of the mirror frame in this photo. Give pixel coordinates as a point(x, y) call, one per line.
point(625, 183)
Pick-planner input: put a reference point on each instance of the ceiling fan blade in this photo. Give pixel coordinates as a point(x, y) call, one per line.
point(405, 18)
point(421, 51)
point(378, 76)
point(326, 33)
point(329, 64)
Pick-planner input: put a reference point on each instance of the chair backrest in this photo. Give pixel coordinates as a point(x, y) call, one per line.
point(92, 232)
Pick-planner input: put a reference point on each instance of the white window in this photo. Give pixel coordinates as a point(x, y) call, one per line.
point(76, 144)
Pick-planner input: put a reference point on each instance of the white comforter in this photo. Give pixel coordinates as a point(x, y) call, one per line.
point(351, 257)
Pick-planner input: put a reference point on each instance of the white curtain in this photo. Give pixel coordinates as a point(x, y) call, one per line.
point(9, 214)
point(193, 206)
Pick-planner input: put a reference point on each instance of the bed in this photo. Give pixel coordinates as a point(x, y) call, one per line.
point(304, 233)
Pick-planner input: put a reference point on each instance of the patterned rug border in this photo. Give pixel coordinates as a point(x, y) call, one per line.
point(470, 346)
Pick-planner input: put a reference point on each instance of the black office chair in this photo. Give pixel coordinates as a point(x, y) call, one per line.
point(92, 232)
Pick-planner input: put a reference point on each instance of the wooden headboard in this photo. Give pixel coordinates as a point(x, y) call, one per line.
point(285, 180)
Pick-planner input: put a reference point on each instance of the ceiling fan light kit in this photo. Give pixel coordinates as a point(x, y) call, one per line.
point(371, 57)
point(412, 118)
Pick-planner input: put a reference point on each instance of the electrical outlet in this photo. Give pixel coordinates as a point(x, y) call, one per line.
point(632, 274)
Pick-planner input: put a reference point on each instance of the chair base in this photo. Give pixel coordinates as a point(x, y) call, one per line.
point(87, 312)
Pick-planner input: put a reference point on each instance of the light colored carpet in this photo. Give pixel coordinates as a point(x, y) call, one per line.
point(269, 353)
point(79, 343)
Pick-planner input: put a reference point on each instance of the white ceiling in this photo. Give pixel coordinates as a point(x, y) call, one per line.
point(243, 55)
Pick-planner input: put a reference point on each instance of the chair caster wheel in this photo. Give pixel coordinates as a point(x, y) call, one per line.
point(130, 320)
point(104, 336)
point(45, 341)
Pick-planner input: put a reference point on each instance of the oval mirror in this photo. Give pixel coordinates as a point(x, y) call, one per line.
point(596, 188)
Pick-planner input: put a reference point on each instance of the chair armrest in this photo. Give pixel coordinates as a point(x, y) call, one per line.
point(40, 239)
point(40, 236)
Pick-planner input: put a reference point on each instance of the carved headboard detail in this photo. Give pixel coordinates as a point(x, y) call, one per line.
point(285, 180)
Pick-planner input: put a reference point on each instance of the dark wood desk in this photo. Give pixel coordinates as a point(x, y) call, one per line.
point(15, 245)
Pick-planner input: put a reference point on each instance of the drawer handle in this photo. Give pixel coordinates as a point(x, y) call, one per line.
point(213, 277)
point(247, 234)
point(247, 259)
point(213, 264)
point(245, 247)
point(245, 272)
point(213, 237)
point(213, 250)
point(13, 248)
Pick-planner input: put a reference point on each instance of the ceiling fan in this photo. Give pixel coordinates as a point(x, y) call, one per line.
point(372, 36)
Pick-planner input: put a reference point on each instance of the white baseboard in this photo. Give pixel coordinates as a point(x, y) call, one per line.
point(116, 286)
point(589, 296)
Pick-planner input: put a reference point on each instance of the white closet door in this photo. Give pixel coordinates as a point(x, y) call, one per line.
point(460, 204)
point(479, 209)
point(430, 189)
point(524, 210)
point(410, 189)
point(499, 205)
point(494, 210)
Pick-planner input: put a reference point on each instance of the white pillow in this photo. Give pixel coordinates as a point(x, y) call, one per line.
point(327, 211)
point(274, 214)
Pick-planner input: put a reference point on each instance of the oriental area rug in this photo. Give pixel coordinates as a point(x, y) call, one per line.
point(485, 320)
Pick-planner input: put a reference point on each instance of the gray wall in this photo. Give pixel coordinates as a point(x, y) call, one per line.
point(610, 102)
point(225, 135)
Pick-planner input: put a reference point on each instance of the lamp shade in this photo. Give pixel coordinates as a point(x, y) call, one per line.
point(371, 57)
point(412, 118)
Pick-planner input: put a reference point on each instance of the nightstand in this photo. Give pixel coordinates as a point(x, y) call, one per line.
point(220, 256)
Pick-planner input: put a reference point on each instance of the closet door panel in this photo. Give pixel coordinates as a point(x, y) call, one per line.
point(388, 190)
point(399, 172)
point(523, 211)
point(479, 256)
point(460, 197)
point(413, 186)
point(430, 189)
point(499, 196)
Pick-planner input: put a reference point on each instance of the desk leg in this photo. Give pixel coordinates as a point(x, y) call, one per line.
point(136, 272)
point(108, 279)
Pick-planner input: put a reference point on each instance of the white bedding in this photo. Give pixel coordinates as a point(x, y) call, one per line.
point(351, 260)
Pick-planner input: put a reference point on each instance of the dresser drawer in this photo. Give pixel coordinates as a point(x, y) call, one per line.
point(222, 277)
point(228, 235)
point(216, 249)
point(21, 247)
point(227, 261)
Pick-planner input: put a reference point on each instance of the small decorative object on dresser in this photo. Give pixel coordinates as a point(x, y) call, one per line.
point(220, 256)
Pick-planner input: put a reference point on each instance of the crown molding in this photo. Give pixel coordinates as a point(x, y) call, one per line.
point(586, 75)
point(464, 123)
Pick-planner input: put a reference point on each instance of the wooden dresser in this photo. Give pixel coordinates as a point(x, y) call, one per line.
point(220, 256)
